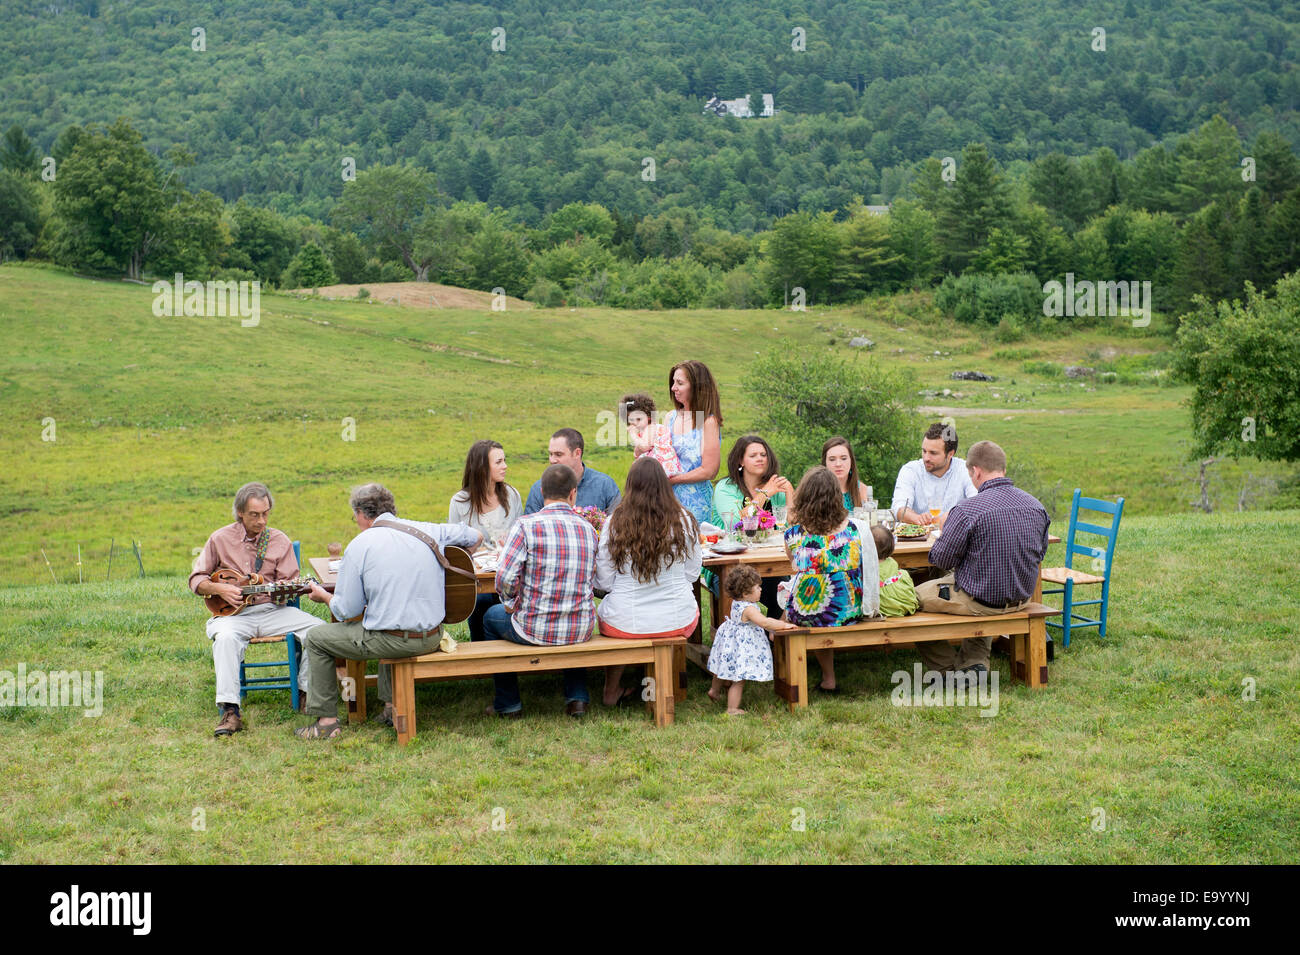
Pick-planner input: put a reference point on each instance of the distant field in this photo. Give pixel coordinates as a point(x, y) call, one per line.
point(157, 420)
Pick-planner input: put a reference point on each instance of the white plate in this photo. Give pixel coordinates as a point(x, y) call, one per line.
point(724, 549)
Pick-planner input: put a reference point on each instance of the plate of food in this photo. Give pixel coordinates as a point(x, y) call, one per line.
point(910, 531)
point(729, 547)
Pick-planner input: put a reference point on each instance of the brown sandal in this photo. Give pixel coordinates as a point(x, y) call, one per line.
point(316, 731)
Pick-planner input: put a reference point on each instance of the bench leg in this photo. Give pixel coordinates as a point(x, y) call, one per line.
point(664, 671)
point(356, 671)
point(404, 702)
point(1029, 655)
point(679, 673)
point(790, 662)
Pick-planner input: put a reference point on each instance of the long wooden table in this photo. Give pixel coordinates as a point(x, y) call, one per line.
point(769, 560)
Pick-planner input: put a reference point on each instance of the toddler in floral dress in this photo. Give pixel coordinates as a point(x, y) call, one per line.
point(646, 436)
point(740, 645)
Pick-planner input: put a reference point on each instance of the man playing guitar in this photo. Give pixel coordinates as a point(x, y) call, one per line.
point(247, 546)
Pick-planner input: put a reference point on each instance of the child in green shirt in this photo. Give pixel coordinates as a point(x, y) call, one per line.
point(897, 595)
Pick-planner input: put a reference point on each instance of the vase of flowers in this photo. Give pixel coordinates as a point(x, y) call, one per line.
point(755, 523)
point(593, 516)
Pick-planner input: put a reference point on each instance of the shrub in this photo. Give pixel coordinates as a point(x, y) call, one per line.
point(987, 299)
point(546, 293)
point(1047, 369)
point(806, 397)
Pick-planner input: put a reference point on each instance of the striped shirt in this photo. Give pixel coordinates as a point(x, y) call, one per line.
point(995, 541)
point(546, 573)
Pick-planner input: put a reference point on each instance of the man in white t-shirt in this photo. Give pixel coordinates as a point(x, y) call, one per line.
point(939, 479)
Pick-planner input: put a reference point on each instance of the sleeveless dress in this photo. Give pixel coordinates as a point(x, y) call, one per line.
point(741, 650)
point(826, 589)
point(698, 497)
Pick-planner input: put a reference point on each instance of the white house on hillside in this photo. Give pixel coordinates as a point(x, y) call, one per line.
point(739, 107)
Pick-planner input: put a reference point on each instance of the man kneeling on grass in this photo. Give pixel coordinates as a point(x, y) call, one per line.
point(390, 594)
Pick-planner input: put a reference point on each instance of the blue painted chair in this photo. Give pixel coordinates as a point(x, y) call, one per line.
point(1101, 558)
point(280, 681)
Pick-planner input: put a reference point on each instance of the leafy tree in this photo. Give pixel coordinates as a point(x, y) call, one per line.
point(866, 259)
point(1244, 363)
point(18, 153)
point(800, 252)
point(497, 256)
point(977, 204)
point(1277, 171)
point(1208, 165)
point(1056, 183)
point(806, 397)
point(109, 196)
point(389, 207)
point(578, 219)
point(310, 268)
point(194, 237)
point(264, 242)
point(347, 256)
point(20, 217)
point(911, 238)
point(482, 174)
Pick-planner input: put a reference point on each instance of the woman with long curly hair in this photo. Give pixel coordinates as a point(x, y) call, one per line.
point(648, 561)
point(695, 426)
point(488, 504)
point(830, 564)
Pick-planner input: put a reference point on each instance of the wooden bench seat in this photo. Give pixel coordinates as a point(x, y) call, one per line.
point(665, 659)
point(1026, 627)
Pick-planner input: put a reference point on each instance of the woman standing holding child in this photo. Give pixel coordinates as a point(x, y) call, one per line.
point(695, 426)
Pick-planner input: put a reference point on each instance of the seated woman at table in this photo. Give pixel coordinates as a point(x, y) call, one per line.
point(837, 457)
point(488, 504)
point(751, 476)
point(695, 427)
point(648, 561)
point(830, 564)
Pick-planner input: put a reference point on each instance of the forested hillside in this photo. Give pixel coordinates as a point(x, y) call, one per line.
point(582, 92)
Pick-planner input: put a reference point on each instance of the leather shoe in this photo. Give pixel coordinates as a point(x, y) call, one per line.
point(576, 708)
point(230, 724)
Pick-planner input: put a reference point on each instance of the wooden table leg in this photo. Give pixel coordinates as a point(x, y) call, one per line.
point(404, 702)
point(790, 662)
point(1036, 654)
point(356, 672)
point(663, 673)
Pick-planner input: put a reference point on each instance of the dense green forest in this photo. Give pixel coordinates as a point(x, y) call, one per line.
point(562, 151)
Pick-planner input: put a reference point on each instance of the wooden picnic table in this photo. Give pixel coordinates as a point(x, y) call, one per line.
point(769, 560)
point(485, 580)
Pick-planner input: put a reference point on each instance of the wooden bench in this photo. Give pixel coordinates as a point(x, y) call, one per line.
point(663, 657)
point(1027, 629)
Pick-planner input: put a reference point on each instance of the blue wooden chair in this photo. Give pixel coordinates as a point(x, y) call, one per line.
point(279, 681)
point(1100, 557)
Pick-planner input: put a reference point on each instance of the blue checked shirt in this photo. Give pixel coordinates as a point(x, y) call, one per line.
point(996, 541)
point(546, 573)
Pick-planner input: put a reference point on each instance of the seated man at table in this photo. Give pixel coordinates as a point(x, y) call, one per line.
point(545, 578)
point(248, 546)
point(390, 597)
point(994, 543)
point(939, 476)
point(595, 488)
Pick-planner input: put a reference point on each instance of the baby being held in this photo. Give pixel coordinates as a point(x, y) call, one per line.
point(647, 437)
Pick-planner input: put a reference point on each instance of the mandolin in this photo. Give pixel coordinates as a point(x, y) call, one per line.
point(251, 586)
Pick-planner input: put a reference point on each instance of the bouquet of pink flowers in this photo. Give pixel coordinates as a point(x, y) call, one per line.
point(593, 516)
point(766, 521)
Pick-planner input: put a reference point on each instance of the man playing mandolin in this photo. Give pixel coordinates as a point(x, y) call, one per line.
point(248, 546)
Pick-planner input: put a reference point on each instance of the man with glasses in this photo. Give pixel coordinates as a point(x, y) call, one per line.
point(248, 546)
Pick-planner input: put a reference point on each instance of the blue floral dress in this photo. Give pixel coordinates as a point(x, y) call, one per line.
point(741, 650)
point(698, 497)
point(826, 589)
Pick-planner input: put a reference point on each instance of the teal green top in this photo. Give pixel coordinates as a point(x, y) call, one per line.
point(729, 499)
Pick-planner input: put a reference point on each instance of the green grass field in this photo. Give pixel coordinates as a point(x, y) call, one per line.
point(156, 421)
point(1149, 725)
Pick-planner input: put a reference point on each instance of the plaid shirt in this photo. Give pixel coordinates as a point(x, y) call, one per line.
point(546, 573)
point(996, 541)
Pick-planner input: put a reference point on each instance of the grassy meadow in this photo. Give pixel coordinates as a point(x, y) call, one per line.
point(156, 421)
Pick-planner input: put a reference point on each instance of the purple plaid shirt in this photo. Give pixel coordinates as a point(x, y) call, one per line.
point(548, 565)
point(996, 541)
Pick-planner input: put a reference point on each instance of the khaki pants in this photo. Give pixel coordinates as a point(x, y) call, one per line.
point(230, 636)
point(940, 655)
point(351, 641)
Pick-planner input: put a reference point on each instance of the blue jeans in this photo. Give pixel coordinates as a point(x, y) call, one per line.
point(481, 606)
point(497, 626)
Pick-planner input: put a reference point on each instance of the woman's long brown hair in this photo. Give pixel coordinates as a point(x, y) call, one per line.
point(818, 503)
point(704, 393)
point(649, 529)
point(477, 479)
point(855, 489)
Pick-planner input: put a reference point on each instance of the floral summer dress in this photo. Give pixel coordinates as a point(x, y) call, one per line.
point(826, 589)
point(698, 497)
point(741, 650)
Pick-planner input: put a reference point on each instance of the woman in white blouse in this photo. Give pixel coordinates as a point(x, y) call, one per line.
point(648, 562)
point(488, 504)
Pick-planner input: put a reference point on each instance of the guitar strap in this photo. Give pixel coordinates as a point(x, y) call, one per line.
point(433, 545)
point(262, 542)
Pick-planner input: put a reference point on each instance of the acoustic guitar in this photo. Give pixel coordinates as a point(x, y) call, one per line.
point(460, 586)
point(250, 586)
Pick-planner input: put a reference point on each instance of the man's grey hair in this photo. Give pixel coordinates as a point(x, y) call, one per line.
point(253, 489)
point(373, 500)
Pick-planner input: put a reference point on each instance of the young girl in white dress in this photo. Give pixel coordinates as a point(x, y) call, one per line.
point(741, 648)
